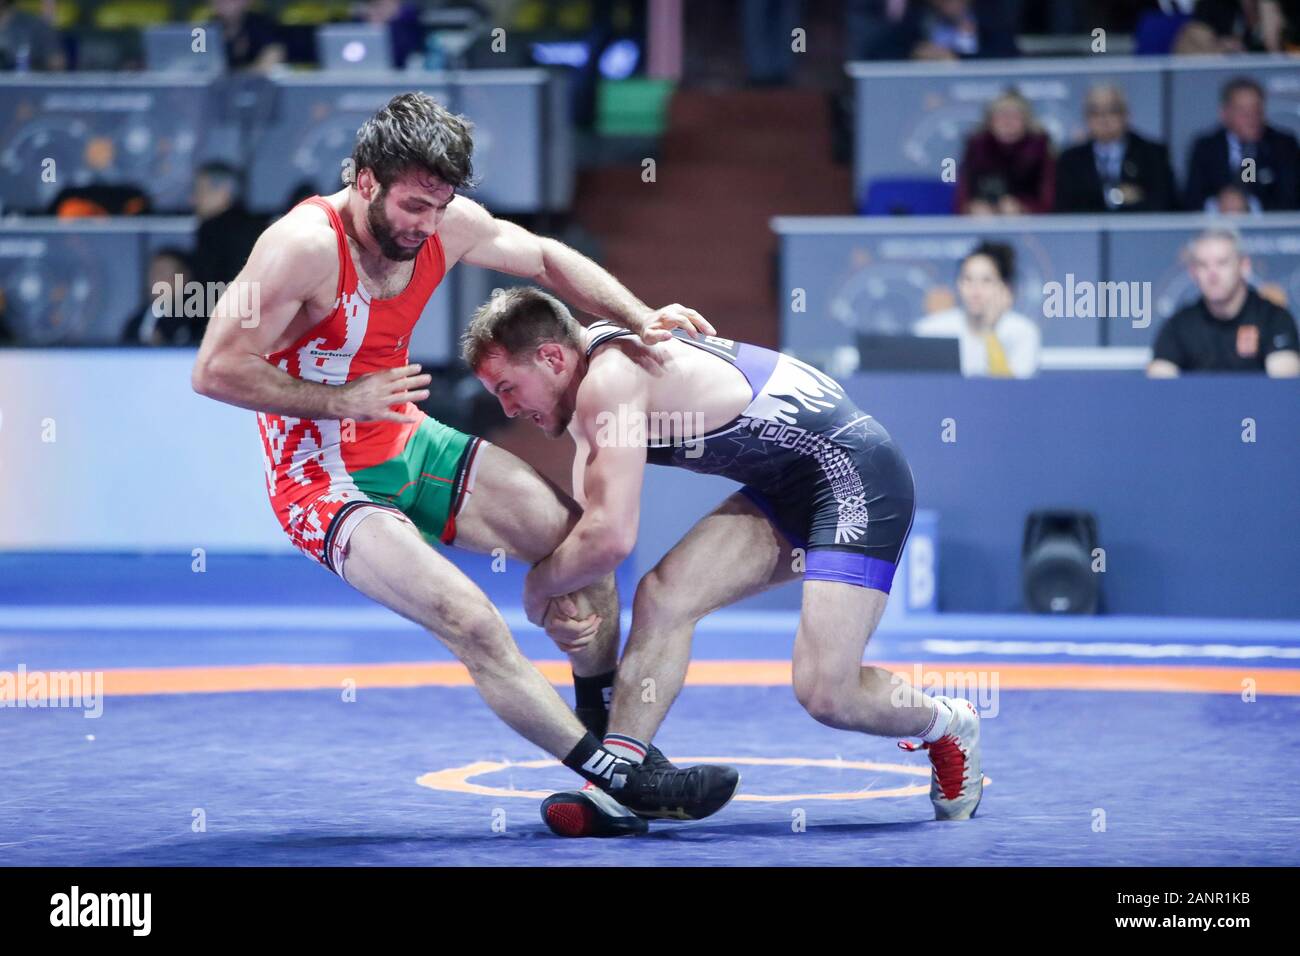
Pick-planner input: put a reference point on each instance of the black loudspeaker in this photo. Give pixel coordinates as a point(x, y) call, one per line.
point(1057, 562)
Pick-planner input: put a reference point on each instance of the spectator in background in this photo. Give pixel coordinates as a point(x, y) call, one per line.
point(227, 231)
point(27, 42)
point(1115, 169)
point(1155, 26)
point(1230, 328)
point(993, 340)
point(159, 321)
point(1232, 201)
point(768, 27)
point(6, 335)
point(1280, 29)
point(1125, 16)
point(946, 30)
point(1007, 167)
point(1235, 26)
point(1276, 25)
point(253, 40)
point(1218, 159)
point(865, 24)
point(587, 78)
point(405, 32)
point(305, 189)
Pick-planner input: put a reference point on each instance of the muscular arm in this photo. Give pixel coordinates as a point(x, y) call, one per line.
point(472, 234)
point(289, 263)
point(580, 455)
point(611, 484)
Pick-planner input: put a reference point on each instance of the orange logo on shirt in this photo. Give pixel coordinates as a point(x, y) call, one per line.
point(1247, 340)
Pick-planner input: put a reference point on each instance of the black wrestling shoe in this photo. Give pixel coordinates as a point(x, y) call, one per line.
point(654, 757)
point(589, 812)
point(658, 790)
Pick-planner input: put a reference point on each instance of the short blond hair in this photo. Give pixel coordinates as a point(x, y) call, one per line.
point(1227, 233)
point(517, 321)
point(1013, 97)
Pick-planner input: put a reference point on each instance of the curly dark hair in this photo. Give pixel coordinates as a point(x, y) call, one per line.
point(415, 131)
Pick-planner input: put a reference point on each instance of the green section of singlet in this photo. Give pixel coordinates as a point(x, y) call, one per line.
point(422, 479)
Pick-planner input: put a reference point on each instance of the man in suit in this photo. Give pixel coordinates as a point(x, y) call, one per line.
point(1270, 180)
point(946, 30)
point(1115, 169)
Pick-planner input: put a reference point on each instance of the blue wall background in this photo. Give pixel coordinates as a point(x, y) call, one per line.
point(1195, 522)
point(881, 274)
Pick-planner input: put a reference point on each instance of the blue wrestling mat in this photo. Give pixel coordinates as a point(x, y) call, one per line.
point(181, 767)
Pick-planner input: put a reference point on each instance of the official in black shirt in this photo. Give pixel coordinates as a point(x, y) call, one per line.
point(227, 231)
point(1115, 169)
point(254, 41)
point(1230, 328)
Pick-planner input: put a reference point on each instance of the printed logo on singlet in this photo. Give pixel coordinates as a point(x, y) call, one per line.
point(836, 465)
point(331, 353)
point(851, 524)
point(795, 388)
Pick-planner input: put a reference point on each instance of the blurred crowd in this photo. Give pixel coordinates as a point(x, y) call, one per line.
point(48, 34)
point(56, 35)
point(1230, 327)
point(960, 29)
point(987, 29)
point(1243, 165)
point(1008, 165)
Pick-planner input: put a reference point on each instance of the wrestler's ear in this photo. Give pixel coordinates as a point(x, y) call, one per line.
point(367, 185)
point(551, 354)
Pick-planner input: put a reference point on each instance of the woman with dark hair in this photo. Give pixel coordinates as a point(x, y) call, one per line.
point(994, 340)
point(1008, 167)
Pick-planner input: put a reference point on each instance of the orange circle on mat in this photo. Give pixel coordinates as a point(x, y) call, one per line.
point(460, 779)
